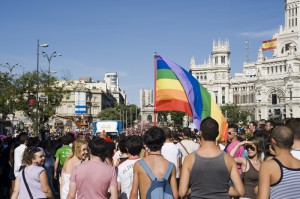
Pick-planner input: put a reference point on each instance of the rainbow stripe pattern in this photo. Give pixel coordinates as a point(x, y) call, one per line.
point(177, 90)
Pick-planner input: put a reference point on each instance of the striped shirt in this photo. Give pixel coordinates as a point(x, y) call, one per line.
point(288, 185)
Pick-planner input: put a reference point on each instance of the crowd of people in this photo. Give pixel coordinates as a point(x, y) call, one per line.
point(258, 161)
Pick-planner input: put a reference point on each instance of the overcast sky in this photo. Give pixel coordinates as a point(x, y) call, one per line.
point(98, 36)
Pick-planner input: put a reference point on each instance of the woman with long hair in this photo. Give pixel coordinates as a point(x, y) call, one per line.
point(32, 181)
point(79, 154)
point(250, 165)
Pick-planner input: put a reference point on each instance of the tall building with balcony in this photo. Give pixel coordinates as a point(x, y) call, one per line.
point(270, 87)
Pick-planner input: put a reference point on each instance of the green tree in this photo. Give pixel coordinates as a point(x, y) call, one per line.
point(50, 95)
point(126, 113)
point(234, 114)
point(7, 94)
point(110, 113)
point(176, 117)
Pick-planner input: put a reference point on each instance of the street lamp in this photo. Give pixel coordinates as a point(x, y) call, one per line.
point(9, 67)
point(37, 84)
point(49, 58)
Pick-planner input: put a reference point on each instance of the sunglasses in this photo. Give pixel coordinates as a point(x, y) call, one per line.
point(250, 147)
point(230, 133)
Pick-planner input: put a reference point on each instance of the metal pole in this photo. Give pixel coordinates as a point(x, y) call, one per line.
point(37, 88)
point(126, 119)
point(130, 117)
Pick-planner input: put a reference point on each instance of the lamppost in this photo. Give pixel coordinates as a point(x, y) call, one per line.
point(9, 67)
point(49, 58)
point(37, 84)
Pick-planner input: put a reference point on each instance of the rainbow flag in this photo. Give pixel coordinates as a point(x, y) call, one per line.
point(269, 44)
point(177, 90)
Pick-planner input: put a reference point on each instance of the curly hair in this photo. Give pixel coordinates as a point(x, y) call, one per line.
point(29, 155)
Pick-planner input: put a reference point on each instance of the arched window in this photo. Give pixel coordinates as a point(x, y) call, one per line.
point(149, 118)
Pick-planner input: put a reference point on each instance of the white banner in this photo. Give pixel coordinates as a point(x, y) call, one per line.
point(80, 103)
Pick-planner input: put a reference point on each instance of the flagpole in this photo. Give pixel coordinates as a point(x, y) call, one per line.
point(155, 66)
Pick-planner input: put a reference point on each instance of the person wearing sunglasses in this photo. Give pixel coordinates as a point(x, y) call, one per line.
point(250, 166)
point(233, 142)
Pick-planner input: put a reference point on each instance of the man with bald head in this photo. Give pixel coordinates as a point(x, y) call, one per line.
point(279, 177)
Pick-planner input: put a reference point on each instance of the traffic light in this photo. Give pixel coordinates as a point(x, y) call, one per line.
point(274, 99)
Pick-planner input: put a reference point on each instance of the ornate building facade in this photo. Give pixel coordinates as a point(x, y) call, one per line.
point(146, 105)
point(270, 87)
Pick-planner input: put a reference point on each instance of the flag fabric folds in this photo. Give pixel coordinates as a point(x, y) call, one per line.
point(269, 44)
point(177, 90)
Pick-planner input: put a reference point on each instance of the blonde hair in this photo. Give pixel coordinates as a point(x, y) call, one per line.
point(76, 150)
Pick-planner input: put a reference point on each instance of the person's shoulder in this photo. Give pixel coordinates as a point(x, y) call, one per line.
point(190, 158)
point(228, 157)
point(37, 169)
point(269, 164)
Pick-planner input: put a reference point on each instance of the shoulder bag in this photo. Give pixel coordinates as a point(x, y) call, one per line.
point(29, 192)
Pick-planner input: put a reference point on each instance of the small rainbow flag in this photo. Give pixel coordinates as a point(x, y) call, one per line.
point(177, 90)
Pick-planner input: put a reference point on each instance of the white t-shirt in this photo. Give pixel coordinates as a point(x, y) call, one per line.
point(190, 146)
point(171, 152)
point(18, 156)
point(296, 153)
point(116, 157)
point(125, 175)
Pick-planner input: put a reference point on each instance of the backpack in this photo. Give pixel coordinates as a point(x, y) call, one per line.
point(159, 188)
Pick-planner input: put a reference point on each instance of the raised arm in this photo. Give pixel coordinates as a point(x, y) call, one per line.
point(233, 151)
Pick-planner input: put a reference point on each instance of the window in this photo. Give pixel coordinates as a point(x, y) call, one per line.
point(276, 69)
point(69, 109)
point(272, 70)
point(280, 68)
point(216, 60)
point(274, 99)
point(223, 99)
point(223, 59)
point(197, 77)
point(268, 69)
point(95, 110)
point(205, 77)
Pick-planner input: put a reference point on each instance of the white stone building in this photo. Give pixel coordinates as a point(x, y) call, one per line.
point(112, 81)
point(269, 87)
point(146, 105)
